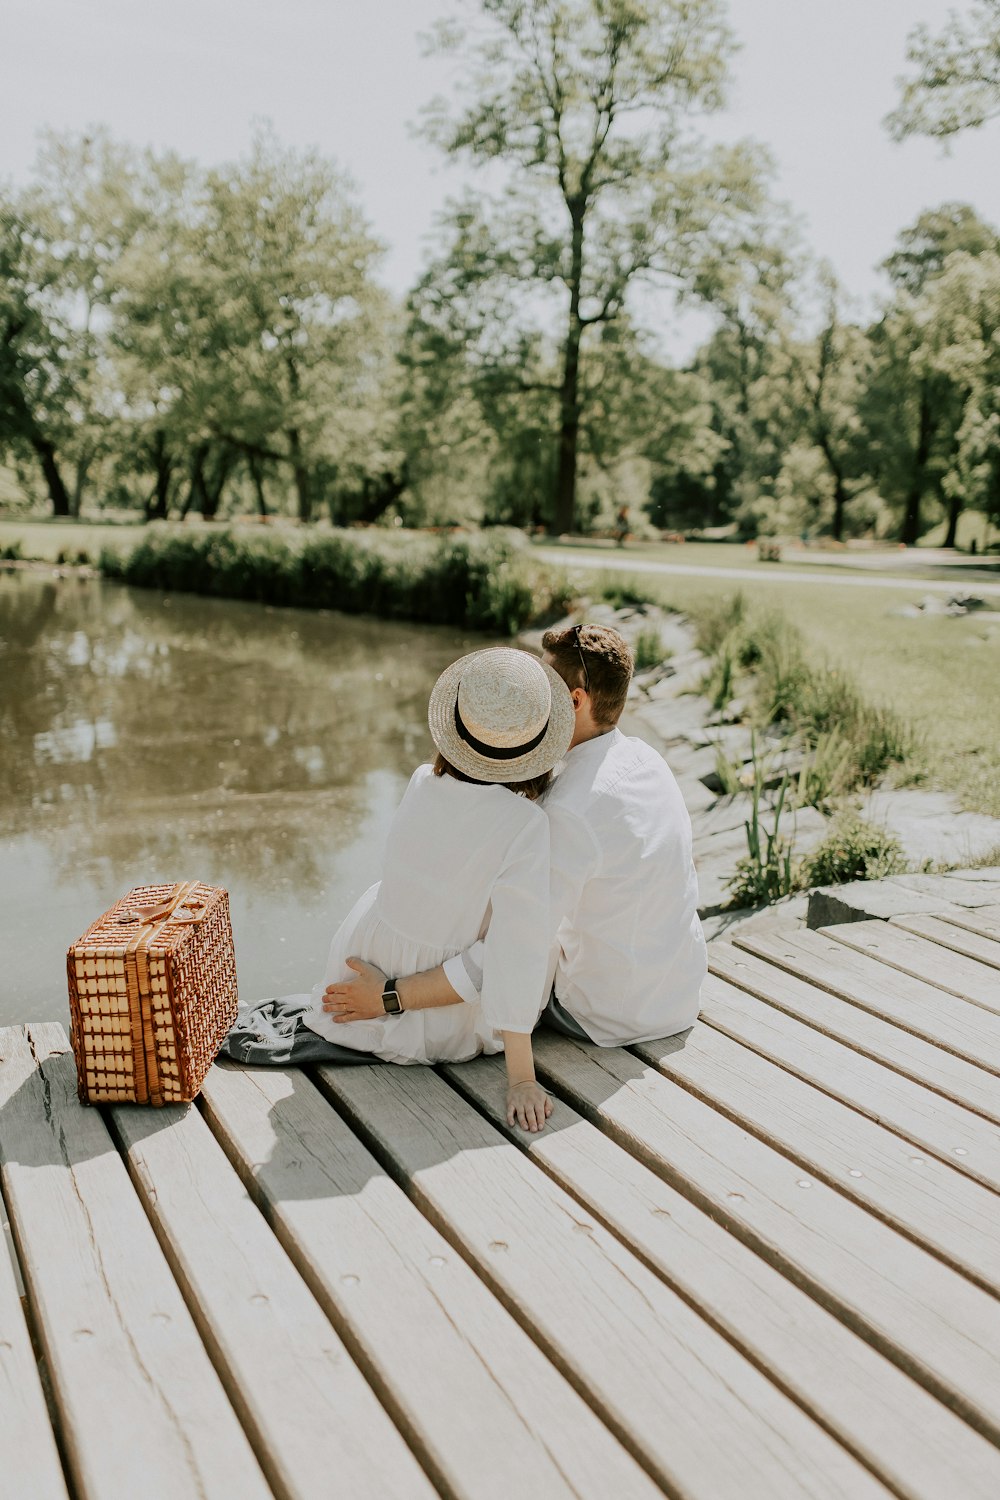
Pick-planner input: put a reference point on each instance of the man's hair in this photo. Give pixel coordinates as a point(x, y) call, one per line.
point(608, 661)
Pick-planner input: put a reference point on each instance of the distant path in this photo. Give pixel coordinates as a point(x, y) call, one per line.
point(613, 563)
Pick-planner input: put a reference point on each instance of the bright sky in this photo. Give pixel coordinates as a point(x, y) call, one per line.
point(813, 82)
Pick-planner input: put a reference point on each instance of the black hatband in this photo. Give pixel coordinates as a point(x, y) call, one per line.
point(495, 752)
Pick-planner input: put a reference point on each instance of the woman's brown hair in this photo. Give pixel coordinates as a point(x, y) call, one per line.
point(532, 788)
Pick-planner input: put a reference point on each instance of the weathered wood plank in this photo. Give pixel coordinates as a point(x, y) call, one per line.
point(932, 1322)
point(475, 1398)
point(659, 1374)
point(312, 1418)
point(28, 1454)
point(951, 1215)
point(926, 1011)
point(984, 920)
point(141, 1409)
point(958, 939)
point(869, 1035)
point(922, 958)
point(912, 1441)
point(958, 1136)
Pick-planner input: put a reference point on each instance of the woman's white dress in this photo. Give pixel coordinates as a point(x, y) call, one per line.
point(462, 862)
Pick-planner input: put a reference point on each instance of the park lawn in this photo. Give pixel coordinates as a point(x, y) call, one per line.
point(940, 674)
point(45, 540)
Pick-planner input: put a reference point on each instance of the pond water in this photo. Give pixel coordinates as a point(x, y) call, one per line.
point(148, 738)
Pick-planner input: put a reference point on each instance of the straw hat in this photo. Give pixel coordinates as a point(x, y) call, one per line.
point(501, 715)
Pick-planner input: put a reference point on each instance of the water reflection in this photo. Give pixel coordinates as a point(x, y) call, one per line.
point(147, 738)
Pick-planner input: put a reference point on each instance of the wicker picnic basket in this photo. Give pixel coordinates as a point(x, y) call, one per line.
point(152, 993)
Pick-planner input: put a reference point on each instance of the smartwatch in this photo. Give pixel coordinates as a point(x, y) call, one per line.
point(391, 1002)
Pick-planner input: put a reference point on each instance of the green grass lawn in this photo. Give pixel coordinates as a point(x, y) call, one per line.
point(941, 674)
point(45, 540)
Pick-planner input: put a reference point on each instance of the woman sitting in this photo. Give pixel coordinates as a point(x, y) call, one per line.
point(467, 857)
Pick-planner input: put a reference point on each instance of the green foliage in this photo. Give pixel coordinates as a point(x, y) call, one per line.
point(765, 873)
point(625, 596)
point(12, 552)
point(649, 650)
point(480, 582)
point(827, 772)
point(957, 83)
point(854, 849)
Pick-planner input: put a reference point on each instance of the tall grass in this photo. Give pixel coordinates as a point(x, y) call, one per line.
point(851, 742)
point(484, 581)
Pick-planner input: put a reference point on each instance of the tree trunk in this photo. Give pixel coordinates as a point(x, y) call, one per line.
point(955, 509)
point(82, 470)
point(910, 530)
point(164, 469)
point(53, 479)
point(564, 513)
point(303, 487)
point(214, 489)
point(256, 474)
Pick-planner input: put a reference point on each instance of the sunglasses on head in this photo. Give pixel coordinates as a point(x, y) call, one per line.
point(579, 649)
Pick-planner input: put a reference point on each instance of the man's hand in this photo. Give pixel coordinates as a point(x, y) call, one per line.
point(357, 999)
point(528, 1105)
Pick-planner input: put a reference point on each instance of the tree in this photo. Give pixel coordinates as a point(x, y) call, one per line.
point(957, 83)
point(585, 101)
point(913, 406)
point(835, 369)
point(35, 350)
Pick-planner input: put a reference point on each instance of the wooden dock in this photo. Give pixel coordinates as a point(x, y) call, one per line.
point(759, 1260)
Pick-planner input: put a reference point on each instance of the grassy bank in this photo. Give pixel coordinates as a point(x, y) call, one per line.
point(937, 673)
point(485, 581)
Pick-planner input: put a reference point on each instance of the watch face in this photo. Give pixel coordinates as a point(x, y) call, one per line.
point(390, 1001)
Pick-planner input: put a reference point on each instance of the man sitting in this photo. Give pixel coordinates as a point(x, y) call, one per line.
point(628, 954)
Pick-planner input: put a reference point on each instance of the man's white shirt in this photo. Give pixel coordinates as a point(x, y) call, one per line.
point(628, 956)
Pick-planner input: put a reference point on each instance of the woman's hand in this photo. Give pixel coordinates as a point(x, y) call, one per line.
point(357, 999)
point(528, 1105)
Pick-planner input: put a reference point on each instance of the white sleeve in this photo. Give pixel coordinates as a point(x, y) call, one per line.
point(575, 858)
point(516, 946)
point(464, 973)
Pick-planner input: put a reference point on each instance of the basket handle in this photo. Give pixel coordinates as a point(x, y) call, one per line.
point(172, 907)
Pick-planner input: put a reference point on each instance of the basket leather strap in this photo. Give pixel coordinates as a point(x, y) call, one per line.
point(149, 1084)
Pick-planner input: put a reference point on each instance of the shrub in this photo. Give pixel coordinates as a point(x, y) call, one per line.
point(480, 582)
point(649, 650)
point(12, 552)
point(854, 849)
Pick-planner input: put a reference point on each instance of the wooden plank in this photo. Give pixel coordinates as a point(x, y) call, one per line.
point(984, 920)
point(900, 1050)
point(967, 1142)
point(909, 1439)
point(658, 1373)
point(307, 1408)
point(30, 1458)
point(925, 1317)
point(141, 1409)
point(926, 1011)
point(921, 958)
point(958, 939)
point(484, 1408)
point(949, 1214)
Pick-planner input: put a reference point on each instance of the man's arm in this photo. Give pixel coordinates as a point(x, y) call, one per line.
point(360, 999)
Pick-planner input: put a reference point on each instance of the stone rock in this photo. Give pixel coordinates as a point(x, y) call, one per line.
point(675, 720)
point(787, 915)
point(931, 826)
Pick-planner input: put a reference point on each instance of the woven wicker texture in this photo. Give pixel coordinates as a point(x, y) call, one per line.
point(152, 993)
